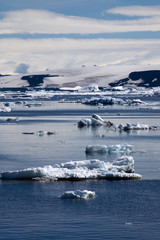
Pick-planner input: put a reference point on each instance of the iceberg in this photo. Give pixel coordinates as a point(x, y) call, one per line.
point(103, 149)
point(94, 121)
point(104, 101)
point(121, 168)
point(111, 101)
point(78, 194)
point(136, 126)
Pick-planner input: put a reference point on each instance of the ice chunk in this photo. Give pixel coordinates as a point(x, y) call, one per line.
point(5, 109)
point(97, 117)
point(111, 101)
point(78, 194)
point(92, 88)
point(103, 149)
point(137, 126)
point(125, 163)
point(84, 122)
point(122, 168)
point(94, 121)
point(42, 133)
point(136, 102)
point(104, 101)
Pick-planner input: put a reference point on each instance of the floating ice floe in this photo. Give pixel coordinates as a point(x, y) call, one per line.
point(111, 101)
point(121, 168)
point(78, 194)
point(95, 120)
point(137, 126)
point(103, 149)
point(5, 109)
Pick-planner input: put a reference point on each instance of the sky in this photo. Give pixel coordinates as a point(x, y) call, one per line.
point(36, 35)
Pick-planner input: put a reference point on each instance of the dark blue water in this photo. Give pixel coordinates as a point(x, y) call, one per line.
point(120, 210)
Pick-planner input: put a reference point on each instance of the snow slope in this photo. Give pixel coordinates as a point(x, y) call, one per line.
point(83, 76)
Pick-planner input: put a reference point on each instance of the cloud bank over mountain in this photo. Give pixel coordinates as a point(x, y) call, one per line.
point(41, 54)
point(43, 38)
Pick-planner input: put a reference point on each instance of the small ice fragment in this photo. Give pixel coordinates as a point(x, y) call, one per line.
point(128, 223)
point(41, 133)
point(78, 194)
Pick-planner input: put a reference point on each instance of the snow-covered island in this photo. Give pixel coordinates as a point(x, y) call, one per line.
point(147, 76)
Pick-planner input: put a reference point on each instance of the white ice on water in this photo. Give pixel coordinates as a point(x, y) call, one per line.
point(5, 109)
point(90, 88)
point(95, 120)
point(111, 100)
point(104, 149)
point(121, 168)
point(136, 126)
point(78, 194)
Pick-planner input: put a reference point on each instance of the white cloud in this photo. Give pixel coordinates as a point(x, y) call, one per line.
point(141, 11)
point(40, 54)
point(45, 22)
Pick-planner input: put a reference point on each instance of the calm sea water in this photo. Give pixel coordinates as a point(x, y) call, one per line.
point(120, 210)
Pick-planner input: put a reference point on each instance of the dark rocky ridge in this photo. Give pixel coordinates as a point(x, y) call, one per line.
point(146, 79)
point(36, 80)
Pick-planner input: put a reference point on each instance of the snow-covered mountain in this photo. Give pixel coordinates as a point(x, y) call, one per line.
point(104, 76)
